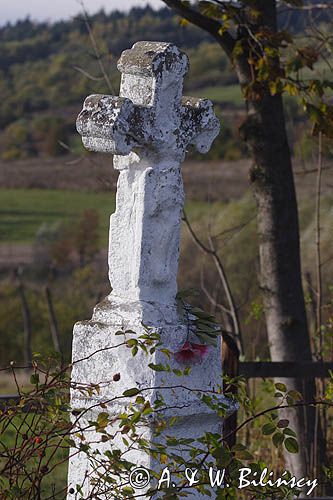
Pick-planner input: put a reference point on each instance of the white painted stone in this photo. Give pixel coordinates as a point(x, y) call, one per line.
point(148, 129)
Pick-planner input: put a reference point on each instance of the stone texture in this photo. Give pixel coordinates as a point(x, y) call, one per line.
point(148, 129)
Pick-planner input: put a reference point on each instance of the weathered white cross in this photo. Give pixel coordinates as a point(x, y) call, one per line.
point(148, 129)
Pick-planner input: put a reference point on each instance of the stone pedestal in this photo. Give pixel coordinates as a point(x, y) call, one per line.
point(95, 344)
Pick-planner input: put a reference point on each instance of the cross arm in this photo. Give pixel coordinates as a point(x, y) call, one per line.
point(200, 124)
point(104, 124)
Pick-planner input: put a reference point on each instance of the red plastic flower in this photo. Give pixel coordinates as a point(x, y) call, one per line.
point(191, 353)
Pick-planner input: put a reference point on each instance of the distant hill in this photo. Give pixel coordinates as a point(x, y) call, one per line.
point(39, 61)
point(46, 70)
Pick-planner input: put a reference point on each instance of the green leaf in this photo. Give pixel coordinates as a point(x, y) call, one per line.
point(102, 419)
point(34, 379)
point(225, 457)
point(177, 372)
point(158, 367)
point(289, 432)
point(136, 417)
point(206, 339)
point(187, 370)
point(208, 328)
point(278, 439)
point(291, 445)
point(238, 447)
point(281, 387)
point(134, 351)
point(297, 396)
point(128, 490)
point(131, 392)
point(290, 401)
point(268, 428)
point(199, 313)
point(244, 455)
point(15, 491)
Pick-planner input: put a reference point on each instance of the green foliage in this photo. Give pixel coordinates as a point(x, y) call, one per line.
point(16, 141)
point(38, 66)
point(47, 70)
point(209, 66)
point(34, 446)
point(24, 138)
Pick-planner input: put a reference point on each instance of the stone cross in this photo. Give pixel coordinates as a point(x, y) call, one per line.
point(148, 129)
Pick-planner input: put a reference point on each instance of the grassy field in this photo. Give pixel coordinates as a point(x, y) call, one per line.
point(227, 93)
point(23, 211)
point(232, 94)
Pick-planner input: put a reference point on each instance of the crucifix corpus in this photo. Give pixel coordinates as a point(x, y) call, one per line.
point(148, 129)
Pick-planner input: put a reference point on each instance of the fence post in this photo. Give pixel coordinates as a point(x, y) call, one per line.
point(230, 363)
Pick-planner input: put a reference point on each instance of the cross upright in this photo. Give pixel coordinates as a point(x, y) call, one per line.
point(148, 128)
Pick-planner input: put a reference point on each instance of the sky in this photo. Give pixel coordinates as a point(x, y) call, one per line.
point(52, 10)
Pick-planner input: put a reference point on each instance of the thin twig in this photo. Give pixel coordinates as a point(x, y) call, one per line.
point(211, 299)
point(223, 278)
point(88, 75)
point(95, 47)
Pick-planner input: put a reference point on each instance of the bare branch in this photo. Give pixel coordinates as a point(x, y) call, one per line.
point(212, 26)
point(318, 6)
point(211, 299)
point(88, 75)
point(95, 47)
point(223, 278)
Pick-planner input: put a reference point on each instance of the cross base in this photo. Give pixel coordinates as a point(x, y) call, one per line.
point(115, 370)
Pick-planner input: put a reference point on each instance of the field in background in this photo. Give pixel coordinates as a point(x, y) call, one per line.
point(41, 191)
point(229, 94)
point(23, 211)
point(218, 202)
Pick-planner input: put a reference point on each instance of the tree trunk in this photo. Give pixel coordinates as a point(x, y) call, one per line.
point(279, 251)
point(230, 362)
point(280, 278)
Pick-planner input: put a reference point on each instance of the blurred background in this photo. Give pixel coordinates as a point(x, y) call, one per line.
point(56, 198)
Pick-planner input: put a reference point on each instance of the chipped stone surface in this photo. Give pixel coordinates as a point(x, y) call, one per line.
point(148, 129)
